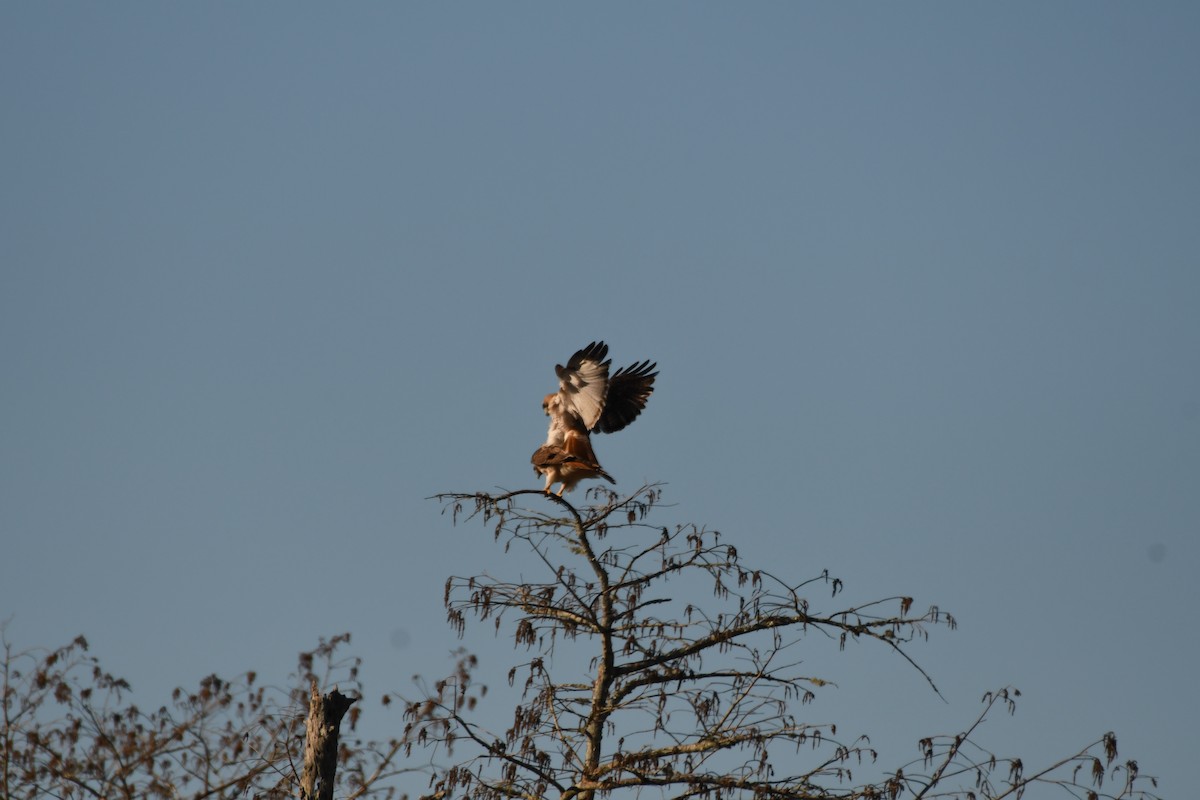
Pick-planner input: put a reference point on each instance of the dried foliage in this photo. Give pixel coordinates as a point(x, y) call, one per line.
point(70, 731)
point(700, 698)
point(655, 664)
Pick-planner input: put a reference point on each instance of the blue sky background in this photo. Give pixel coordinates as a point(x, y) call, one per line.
point(922, 280)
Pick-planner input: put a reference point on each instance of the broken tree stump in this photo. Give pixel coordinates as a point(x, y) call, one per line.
point(325, 714)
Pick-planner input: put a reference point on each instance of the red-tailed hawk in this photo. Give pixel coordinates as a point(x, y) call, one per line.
point(588, 400)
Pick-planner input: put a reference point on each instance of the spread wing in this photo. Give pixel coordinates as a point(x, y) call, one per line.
point(628, 390)
point(583, 384)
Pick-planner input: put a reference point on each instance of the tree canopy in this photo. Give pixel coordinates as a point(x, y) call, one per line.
point(653, 662)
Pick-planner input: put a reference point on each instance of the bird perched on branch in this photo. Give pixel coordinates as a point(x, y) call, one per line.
point(588, 400)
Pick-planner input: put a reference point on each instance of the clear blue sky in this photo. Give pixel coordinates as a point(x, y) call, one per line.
point(923, 282)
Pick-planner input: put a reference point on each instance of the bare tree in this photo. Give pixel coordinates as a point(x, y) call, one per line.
point(658, 665)
point(70, 730)
point(678, 697)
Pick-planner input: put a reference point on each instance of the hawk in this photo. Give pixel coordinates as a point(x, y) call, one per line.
point(588, 400)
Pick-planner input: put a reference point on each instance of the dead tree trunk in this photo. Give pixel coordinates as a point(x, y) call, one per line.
point(321, 743)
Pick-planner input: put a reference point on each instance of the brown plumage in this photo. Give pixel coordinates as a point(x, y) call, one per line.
point(559, 465)
point(588, 400)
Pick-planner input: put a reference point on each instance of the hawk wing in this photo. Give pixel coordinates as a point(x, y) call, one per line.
point(568, 464)
point(628, 390)
point(575, 449)
point(583, 385)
